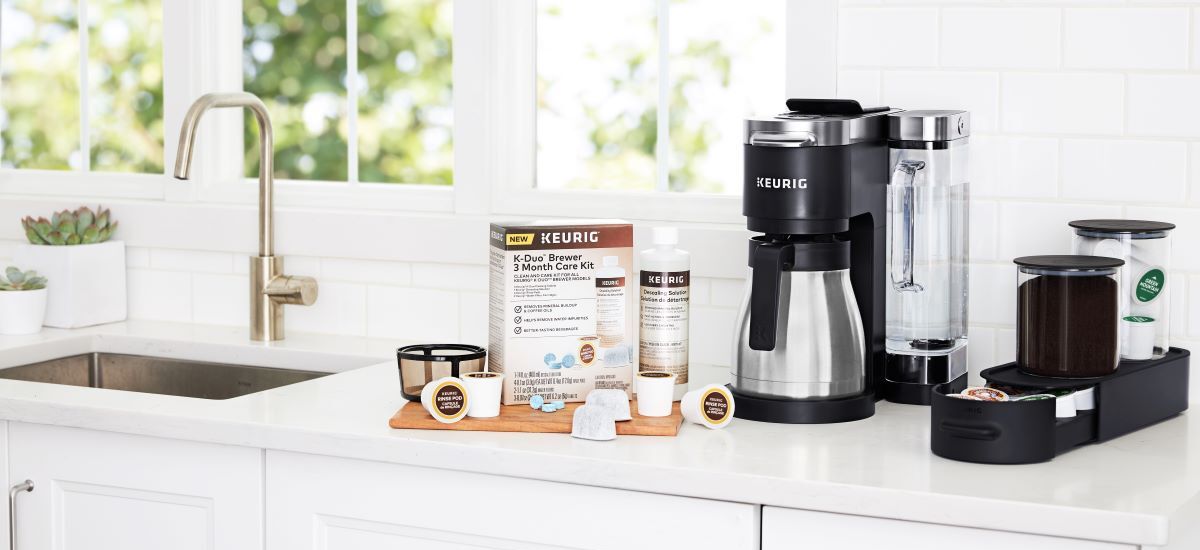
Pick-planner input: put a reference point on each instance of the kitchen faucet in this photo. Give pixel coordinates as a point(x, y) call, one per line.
point(270, 289)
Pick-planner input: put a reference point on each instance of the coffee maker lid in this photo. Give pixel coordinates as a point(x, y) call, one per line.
point(929, 125)
point(817, 123)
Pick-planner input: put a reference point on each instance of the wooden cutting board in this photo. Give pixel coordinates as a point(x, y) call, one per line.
point(523, 418)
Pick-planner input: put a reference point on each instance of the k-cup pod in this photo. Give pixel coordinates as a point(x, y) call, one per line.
point(655, 393)
point(446, 399)
point(1064, 406)
point(1085, 399)
point(710, 406)
point(985, 394)
point(1139, 332)
point(484, 389)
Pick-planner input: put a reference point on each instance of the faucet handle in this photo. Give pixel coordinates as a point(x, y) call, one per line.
point(288, 289)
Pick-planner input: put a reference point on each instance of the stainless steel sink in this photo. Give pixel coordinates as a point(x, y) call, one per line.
point(158, 375)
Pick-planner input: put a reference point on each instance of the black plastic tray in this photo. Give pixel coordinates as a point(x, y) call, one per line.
point(1139, 394)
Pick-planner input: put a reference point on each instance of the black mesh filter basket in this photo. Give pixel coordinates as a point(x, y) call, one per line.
point(421, 364)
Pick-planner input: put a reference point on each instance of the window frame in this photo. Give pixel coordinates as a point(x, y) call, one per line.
point(494, 125)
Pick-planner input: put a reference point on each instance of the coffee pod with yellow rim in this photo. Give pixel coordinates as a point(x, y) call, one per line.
point(655, 393)
point(985, 394)
point(710, 406)
point(446, 399)
point(484, 389)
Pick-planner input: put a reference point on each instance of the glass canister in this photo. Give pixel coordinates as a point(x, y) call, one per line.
point(1144, 301)
point(1067, 315)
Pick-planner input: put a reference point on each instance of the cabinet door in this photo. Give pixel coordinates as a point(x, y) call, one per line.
point(785, 528)
point(106, 491)
point(322, 503)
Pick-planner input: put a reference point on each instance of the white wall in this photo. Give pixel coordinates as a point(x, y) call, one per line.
point(1081, 109)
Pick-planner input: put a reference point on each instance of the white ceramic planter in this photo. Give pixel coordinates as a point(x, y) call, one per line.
point(86, 282)
point(22, 311)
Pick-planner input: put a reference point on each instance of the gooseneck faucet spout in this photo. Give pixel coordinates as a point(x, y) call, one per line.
point(266, 155)
point(270, 289)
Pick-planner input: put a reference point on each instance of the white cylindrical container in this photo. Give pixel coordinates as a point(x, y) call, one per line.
point(655, 393)
point(446, 399)
point(484, 389)
point(22, 311)
point(710, 406)
point(610, 302)
point(665, 296)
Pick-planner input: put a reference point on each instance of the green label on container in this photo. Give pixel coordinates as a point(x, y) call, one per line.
point(1138, 319)
point(1150, 285)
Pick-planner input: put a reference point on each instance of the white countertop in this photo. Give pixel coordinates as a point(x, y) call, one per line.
point(1135, 489)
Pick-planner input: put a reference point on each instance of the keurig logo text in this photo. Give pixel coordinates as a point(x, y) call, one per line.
point(782, 183)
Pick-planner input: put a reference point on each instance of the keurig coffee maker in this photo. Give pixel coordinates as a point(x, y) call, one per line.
point(842, 242)
point(810, 344)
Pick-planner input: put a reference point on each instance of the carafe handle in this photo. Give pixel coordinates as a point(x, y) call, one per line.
point(903, 225)
point(769, 262)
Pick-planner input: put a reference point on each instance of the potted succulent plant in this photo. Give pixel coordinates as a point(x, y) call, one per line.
point(73, 249)
point(22, 301)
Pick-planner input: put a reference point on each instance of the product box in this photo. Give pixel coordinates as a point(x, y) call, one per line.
point(561, 316)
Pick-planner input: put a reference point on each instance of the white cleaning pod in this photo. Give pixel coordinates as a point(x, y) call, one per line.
point(446, 399)
point(654, 393)
point(710, 406)
point(484, 389)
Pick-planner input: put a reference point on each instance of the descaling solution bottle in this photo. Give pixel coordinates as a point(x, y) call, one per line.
point(610, 303)
point(666, 281)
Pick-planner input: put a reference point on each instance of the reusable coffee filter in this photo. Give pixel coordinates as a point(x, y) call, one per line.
point(421, 364)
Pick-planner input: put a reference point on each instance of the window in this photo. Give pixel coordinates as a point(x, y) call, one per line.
point(81, 100)
point(659, 104)
point(391, 123)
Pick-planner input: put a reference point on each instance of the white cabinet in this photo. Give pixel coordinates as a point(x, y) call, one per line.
point(107, 491)
point(785, 528)
point(323, 503)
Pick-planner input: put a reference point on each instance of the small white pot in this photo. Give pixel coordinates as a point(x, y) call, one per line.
point(22, 311)
point(86, 281)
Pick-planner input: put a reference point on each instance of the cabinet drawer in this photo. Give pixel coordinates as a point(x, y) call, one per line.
point(316, 502)
point(786, 528)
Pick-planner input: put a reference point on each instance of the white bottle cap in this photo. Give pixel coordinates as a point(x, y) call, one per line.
point(610, 261)
point(664, 236)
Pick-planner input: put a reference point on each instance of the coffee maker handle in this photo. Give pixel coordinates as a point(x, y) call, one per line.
point(903, 225)
point(769, 262)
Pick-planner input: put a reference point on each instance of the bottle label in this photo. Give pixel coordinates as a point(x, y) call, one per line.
point(664, 323)
point(610, 310)
point(1149, 285)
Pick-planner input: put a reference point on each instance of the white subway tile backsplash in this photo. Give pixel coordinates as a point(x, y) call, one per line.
point(860, 85)
point(1006, 345)
point(412, 314)
point(1024, 38)
point(1015, 167)
point(341, 308)
point(450, 276)
point(194, 261)
point(366, 271)
point(159, 295)
point(1126, 38)
point(728, 292)
point(1183, 238)
point(701, 291)
point(1193, 306)
point(1194, 173)
point(1071, 103)
point(867, 36)
point(982, 229)
point(222, 299)
point(1032, 228)
point(976, 92)
point(1164, 105)
point(981, 352)
point(136, 257)
point(1125, 171)
point(473, 312)
point(992, 293)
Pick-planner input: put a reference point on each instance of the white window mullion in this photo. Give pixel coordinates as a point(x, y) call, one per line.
point(662, 149)
point(85, 137)
point(352, 91)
